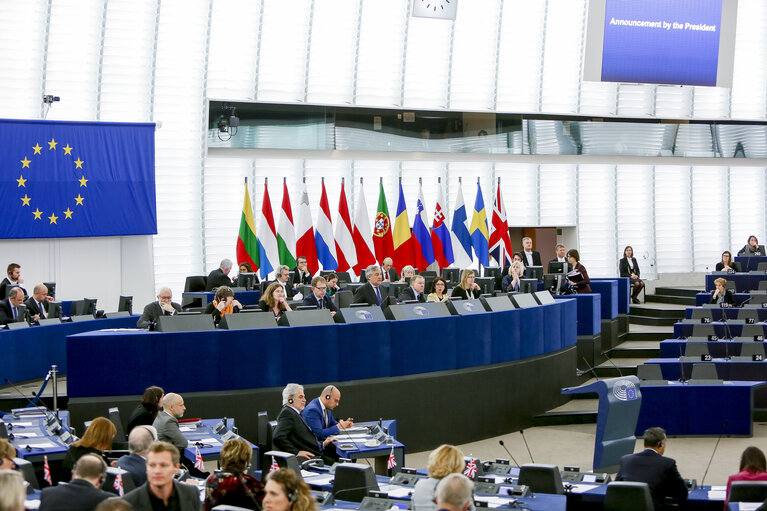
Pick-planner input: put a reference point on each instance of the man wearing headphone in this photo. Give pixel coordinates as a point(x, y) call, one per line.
point(318, 414)
point(139, 440)
point(7, 453)
point(83, 492)
point(293, 434)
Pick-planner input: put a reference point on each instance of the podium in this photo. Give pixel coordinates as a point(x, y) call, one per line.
point(619, 404)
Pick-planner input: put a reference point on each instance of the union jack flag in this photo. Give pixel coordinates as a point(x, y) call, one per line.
point(118, 484)
point(471, 469)
point(47, 471)
point(198, 464)
point(392, 462)
point(274, 466)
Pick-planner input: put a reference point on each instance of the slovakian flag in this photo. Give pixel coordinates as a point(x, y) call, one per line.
point(440, 234)
point(345, 251)
point(286, 234)
point(198, 464)
point(274, 466)
point(118, 484)
point(267, 241)
point(424, 251)
point(500, 242)
point(478, 229)
point(305, 243)
point(323, 236)
point(391, 463)
point(471, 469)
point(382, 232)
point(403, 238)
point(47, 472)
point(459, 233)
point(247, 243)
point(362, 235)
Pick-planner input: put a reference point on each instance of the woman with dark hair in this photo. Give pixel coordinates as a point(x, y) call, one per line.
point(753, 467)
point(223, 303)
point(583, 285)
point(285, 491)
point(146, 411)
point(232, 485)
point(629, 268)
point(96, 439)
point(752, 248)
point(438, 291)
point(727, 264)
point(274, 300)
point(333, 286)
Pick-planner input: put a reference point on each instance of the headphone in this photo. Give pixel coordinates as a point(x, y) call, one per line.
point(332, 389)
point(292, 496)
point(290, 400)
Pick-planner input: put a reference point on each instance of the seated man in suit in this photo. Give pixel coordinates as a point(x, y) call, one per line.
point(318, 296)
point(529, 256)
point(318, 414)
point(37, 304)
point(560, 249)
point(371, 292)
point(651, 467)
point(220, 276)
point(301, 273)
point(292, 433)
point(415, 291)
point(83, 492)
point(164, 306)
point(454, 492)
point(388, 271)
point(282, 274)
point(9, 308)
point(13, 279)
point(166, 424)
point(161, 491)
point(139, 440)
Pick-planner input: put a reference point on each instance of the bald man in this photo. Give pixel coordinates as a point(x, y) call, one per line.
point(37, 304)
point(83, 492)
point(166, 424)
point(318, 414)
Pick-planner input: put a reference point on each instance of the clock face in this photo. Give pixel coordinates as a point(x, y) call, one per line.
point(440, 9)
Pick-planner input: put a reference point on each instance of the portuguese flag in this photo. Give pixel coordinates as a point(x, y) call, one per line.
point(382, 235)
point(247, 243)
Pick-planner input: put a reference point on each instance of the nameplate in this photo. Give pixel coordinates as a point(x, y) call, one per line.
point(706, 357)
point(705, 320)
point(758, 357)
point(764, 305)
point(750, 321)
point(713, 338)
point(724, 305)
point(758, 338)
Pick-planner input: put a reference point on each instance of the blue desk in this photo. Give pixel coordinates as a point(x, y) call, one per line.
point(589, 312)
point(744, 282)
point(624, 291)
point(704, 298)
point(245, 359)
point(729, 312)
point(594, 498)
point(204, 430)
point(380, 453)
point(29, 352)
point(244, 297)
point(750, 263)
point(31, 438)
point(726, 369)
point(672, 348)
point(608, 290)
point(721, 329)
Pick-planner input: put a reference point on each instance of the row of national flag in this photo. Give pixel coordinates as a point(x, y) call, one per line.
point(354, 246)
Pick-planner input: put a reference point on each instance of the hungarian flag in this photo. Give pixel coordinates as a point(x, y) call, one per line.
point(382, 235)
point(247, 243)
point(392, 462)
point(362, 236)
point(47, 470)
point(198, 464)
point(471, 469)
point(286, 234)
point(274, 466)
point(118, 485)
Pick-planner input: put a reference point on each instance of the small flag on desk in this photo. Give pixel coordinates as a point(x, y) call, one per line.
point(118, 484)
point(392, 462)
point(471, 469)
point(198, 464)
point(47, 471)
point(274, 466)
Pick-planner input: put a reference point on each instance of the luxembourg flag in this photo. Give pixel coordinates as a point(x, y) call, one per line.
point(424, 251)
point(459, 233)
point(500, 242)
point(323, 236)
point(305, 243)
point(345, 251)
point(440, 234)
point(268, 252)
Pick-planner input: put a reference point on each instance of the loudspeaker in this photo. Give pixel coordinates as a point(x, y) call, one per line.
point(465, 307)
point(524, 300)
point(366, 314)
point(417, 311)
point(248, 321)
point(185, 323)
point(544, 297)
point(306, 318)
point(497, 303)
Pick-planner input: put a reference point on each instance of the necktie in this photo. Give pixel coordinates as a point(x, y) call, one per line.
point(42, 310)
point(325, 415)
point(319, 301)
point(15, 312)
point(378, 295)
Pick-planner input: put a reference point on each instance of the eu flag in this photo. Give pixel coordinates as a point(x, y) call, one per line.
point(74, 179)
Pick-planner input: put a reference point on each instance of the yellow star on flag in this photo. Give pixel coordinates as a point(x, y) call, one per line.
point(37, 148)
point(37, 213)
point(25, 163)
point(52, 144)
point(68, 213)
point(21, 181)
point(68, 150)
point(79, 200)
point(83, 182)
point(25, 200)
point(79, 163)
point(53, 218)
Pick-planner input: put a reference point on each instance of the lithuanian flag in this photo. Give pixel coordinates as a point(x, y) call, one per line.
point(247, 243)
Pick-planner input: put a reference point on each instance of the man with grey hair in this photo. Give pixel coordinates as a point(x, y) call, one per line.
point(415, 290)
point(282, 276)
point(9, 308)
point(166, 424)
point(164, 306)
point(135, 463)
point(292, 434)
point(83, 492)
point(220, 276)
point(371, 292)
point(454, 493)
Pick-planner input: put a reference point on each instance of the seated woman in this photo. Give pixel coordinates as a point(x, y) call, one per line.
point(407, 271)
point(753, 467)
point(285, 491)
point(333, 286)
point(629, 268)
point(752, 248)
point(510, 282)
point(438, 291)
point(727, 264)
point(146, 411)
point(223, 303)
point(583, 285)
point(274, 300)
point(721, 295)
point(246, 268)
point(443, 461)
point(232, 485)
point(96, 439)
point(467, 289)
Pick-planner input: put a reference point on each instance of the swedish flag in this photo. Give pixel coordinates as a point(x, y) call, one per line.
point(478, 229)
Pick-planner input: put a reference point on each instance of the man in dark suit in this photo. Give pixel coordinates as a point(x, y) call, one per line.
point(301, 273)
point(166, 424)
point(161, 491)
point(13, 279)
point(371, 293)
point(37, 304)
point(9, 308)
point(651, 467)
point(220, 276)
point(282, 274)
point(529, 256)
point(83, 492)
point(318, 296)
point(164, 306)
point(292, 433)
point(318, 414)
point(139, 440)
point(560, 249)
point(389, 273)
point(415, 291)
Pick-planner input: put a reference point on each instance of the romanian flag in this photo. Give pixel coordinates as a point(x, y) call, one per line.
point(382, 238)
point(404, 253)
point(247, 243)
point(478, 230)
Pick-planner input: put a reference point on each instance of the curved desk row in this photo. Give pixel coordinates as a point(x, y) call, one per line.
point(743, 281)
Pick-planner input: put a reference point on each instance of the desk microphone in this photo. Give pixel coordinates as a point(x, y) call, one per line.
point(591, 369)
point(682, 379)
point(522, 432)
point(724, 424)
point(200, 444)
point(744, 302)
point(507, 452)
point(612, 363)
point(351, 439)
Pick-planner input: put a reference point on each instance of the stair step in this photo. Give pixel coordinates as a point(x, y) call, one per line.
point(678, 291)
point(564, 418)
point(634, 353)
point(615, 372)
point(676, 300)
point(650, 336)
point(649, 320)
point(644, 310)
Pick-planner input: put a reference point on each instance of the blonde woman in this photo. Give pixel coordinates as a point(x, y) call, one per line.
point(467, 289)
point(443, 461)
point(12, 491)
point(511, 281)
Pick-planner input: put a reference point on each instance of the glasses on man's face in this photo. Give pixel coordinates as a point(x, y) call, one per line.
point(165, 298)
point(323, 288)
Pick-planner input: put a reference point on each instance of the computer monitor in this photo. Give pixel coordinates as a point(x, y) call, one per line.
point(126, 304)
point(247, 280)
point(494, 272)
point(552, 282)
point(54, 310)
point(534, 272)
point(557, 267)
point(51, 288)
point(451, 274)
point(528, 285)
point(487, 284)
point(84, 307)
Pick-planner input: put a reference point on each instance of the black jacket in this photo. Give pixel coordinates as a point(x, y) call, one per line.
point(366, 294)
point(217, 278)
point(410, 294)
point(77, 495)
point(660, 474)
point(292, 434)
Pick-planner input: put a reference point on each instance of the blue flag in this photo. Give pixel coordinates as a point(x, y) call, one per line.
point(75, 179)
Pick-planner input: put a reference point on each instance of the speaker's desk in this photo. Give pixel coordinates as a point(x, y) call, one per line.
point(201, 435)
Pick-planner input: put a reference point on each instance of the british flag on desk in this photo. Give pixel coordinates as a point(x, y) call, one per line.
point(118, 485)
point(47, 471)
point(471, 469)
point(198, 464)
point(274, 466)
point(392, 462)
